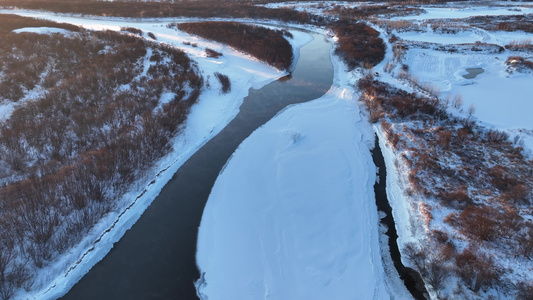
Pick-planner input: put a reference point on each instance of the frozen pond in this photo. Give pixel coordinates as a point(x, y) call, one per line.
point(473, 72)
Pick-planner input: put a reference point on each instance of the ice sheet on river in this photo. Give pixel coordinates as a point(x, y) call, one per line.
point(292, 216)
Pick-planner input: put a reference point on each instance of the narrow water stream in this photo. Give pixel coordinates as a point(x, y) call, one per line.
point(410, 277)
point(155, 259)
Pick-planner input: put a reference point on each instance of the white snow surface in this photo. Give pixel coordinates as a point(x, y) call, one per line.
point(293, 214)
point(43, 30)
point(502, 98)
point(462, 10)
point(212, 113)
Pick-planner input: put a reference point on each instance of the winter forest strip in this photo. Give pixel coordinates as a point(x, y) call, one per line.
point(267, 45)
point(88, 121)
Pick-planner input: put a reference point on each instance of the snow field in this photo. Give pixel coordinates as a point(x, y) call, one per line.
point(487, 91)
point(502, 99)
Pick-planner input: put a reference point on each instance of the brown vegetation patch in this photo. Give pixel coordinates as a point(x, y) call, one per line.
point(266, 44)
point(505, 23)
point(212, 53)
point(224, 81)
point(359, 45)
point(477, 269)
point(519, 63)
point(9, 23)
point(153, 9)
point(520, 45)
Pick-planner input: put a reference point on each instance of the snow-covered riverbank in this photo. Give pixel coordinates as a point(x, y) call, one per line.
point(212, 112)
point(498, 98)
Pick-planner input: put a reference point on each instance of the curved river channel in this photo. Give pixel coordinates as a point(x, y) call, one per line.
point(155, 259)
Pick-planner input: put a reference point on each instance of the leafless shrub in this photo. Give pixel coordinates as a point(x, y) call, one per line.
point(479, 222)
point(518, 193)
point(399, 50)
point(359, 45)
point(431, 265)
point(416, 254)
point(520, 45)
point(132, 30)
point(440, 236)
point(457, 198)
point(519, 63)
point(476, 269)
point(398, 26)
point(448, 251)
point(457, 101)
point(526, 242)
point(444, 138)
point(425, 212)
point(224, 80)
point(496, 136)
point(212, 53)
point(525, 290)
point(502, 178)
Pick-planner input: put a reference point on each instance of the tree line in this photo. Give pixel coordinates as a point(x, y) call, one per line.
point(96, 125)
point(152, 9)
point(267, 45)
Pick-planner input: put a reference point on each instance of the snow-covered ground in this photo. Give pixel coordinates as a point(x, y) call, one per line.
point(318, 232)
point(502, 99)
point(462, 10)
point(293, 214)
point(212, 112)
point(43, 30)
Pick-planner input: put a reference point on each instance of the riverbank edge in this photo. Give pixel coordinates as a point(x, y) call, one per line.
point(62, 274)
point(404, 212)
